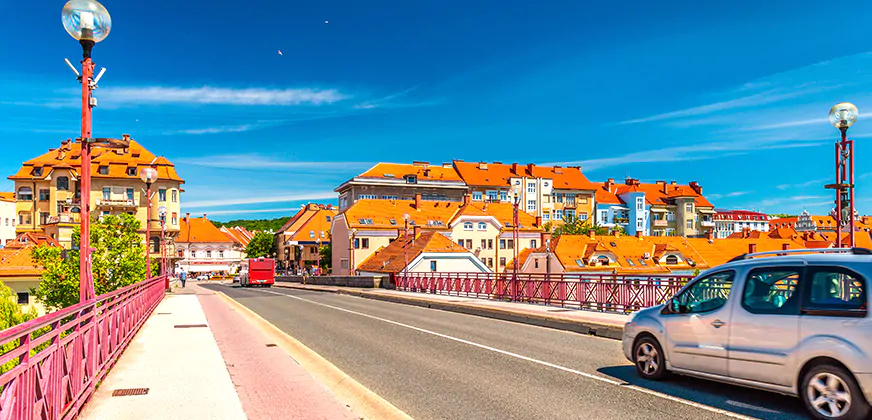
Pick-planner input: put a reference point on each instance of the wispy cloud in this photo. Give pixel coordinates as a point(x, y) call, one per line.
point(261, 163)
point(390, 101)
point(782, 200)
point(786, 124)
point(225, 202)
point(149, 95)
point(220, 129)
point(732, 194)
point(802, 184)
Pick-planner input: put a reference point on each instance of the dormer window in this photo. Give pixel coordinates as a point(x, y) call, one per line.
point(37, 171)
point(131, 171)
point(411, 179)
point(103, 170)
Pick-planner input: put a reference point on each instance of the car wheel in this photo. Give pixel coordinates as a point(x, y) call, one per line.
point(649, 359)
point(830, 392)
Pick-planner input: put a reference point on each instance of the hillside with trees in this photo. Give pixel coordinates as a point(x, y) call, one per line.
point(267, 225)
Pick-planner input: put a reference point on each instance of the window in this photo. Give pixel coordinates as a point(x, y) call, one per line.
point(502, 244)
point(688, 207)
point(558, 214)
point(769, 291)
point(583, 200)
point(569, 214)
point(175, 196)
point(432, 265)
point(322, 235)
point(469, 244)
point(502, 261)
point(63, 183)
point(208, 254)
point(181, 254)
point(131, 171)
point(484, 244)
point(365, 243)
point(7, 221)
point(411, 179)
point(107, 193)
point(582, 216)
point(670, 216)
point(24, 218)
point(311, 233)
point(640, 203)
point(492, 195)
point(835, 291)
point(511, 243)
point(328, 220)
point(490, 262)
point(356, 243)
point(130, 194)
point(640, 224)
point(532, 243)
point(531, 205)
point(103, 170)
point(366, 196)
point(460, 242)
point(531, 187)
point(535, 263)
point(390, 197)
point(23, 298)
point(689, 224)
point(37, 171)
point(476, 196)
point(558, 197)
point(602, 260)
point(490, 244)
point(705, 295)
point(175, 218)
point(162, 194)
point(467, 225)
point(43, 194)
point(604, 216)
point(671, 260)
point(220, 253)
point(25, 193)
point(630, 261)
point(504, 196)
point(482, 226)
point(546, 216)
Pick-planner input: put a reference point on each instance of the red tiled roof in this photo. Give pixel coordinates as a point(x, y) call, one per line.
point(16, 262)
point(200, 229)
point(503, 212)
point(423, 171)
point(31, 238)
point(375, 213)
point(7, 196)
point(499, 174)
point(392, 259)
point(319, 222)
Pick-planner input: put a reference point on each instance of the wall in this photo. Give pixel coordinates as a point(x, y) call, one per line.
point(23, 285)
point(8, 220)
point(541, 257)
point(370, 280)
point(476, 235)
point(339, 234)
point(455, 263)
point(401, 190)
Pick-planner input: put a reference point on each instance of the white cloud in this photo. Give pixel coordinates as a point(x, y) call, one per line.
point(308, 196)
point(774, 201)
point(260, 162)
point(802, 185)
point(732, 194)
point(208, 95)
point(219, 129)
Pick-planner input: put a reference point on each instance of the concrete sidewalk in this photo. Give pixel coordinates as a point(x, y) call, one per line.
point(601, 324)
point(200, 359)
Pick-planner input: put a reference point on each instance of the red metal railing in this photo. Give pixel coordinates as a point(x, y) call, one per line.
point(600, 292)
point(63, 355)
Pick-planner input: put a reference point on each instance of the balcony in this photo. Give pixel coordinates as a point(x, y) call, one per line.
point(660, 223)
point(622, 220)
point(570, 204)
point(62, 218)
point(707, 223)
point(116, 203)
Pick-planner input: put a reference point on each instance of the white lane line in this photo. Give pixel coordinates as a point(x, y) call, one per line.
point(610, 381)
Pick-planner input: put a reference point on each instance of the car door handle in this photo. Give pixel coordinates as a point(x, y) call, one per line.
point(718, 323)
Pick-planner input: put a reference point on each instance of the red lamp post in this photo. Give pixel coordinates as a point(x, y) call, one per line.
point(89, 22)
point(148, 175)
point(843, 116)
point(516, 201)
point(406, 244)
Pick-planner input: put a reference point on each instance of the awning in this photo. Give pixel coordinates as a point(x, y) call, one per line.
point(621, 208)
point(656, 210)
point(708, 211)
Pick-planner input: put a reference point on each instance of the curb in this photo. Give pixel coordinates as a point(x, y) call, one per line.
point(581, 327)
point(361, 400)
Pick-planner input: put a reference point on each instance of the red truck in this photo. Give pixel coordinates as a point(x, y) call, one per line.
point(260, 272)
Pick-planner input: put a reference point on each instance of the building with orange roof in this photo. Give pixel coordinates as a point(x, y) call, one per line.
point(20, 273)
point(300, 240)
point(806, 222)
point(31, 238)
point(658, 209)
point(47, 190)
point(728, 222)
point(422, 252)
point(486, 229)
point(202, 248)
point(400, 181)
point(7, 217)
point(550, 192)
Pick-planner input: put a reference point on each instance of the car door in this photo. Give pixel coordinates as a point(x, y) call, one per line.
point(764, 328)
point(697, 324)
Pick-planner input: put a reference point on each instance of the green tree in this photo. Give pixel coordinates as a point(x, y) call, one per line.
point(261, 245)
point(118, 261)
point(268, 225)
point(780, 215)
point(326, 257)
point(575, 226)
point(11, 315)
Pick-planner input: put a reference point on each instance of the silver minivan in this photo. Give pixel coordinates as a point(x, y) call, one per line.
point(797, 323)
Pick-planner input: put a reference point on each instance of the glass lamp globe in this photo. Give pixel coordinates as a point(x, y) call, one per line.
point(148, 175)
point(844, 114)
point(86, 20)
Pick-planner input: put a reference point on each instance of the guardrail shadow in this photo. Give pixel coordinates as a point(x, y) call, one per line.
point(736, 399)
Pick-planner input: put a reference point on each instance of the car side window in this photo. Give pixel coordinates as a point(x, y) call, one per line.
point(835, 291)
point(772, 290)
point(705, 295)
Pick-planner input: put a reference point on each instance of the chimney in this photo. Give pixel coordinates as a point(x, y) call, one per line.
point(591, 233)
point(187, 216)
point(609, 184)
point(497, 163)
point(125, 137)
point(466, 199)
point(752, 248)
point(674, 183)
point(530, 167)
point(785, 247)
point(616, 233)
point(538, 221)
point(662, 185)
point(639, 234)
point(418, 201)
point(515, 168)
point(558, 170)
point(708, 235)
point(546, 236)
point(204, 216)
point(416, 231)
point(695, 186)
point(628, 181)
point(482, 166)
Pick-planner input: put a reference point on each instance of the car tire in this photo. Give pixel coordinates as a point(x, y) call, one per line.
point(823, 391)
point(649, 359)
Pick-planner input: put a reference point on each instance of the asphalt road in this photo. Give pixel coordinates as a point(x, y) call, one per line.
point(443, 365)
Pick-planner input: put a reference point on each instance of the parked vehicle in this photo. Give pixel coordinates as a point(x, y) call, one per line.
point(258, 272)
point(797, 324)
point(203, 277)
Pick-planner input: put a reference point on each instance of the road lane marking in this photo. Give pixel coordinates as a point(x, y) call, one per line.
point(610, 381)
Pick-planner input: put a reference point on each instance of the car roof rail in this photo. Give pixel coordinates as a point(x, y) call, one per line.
point(855, 251)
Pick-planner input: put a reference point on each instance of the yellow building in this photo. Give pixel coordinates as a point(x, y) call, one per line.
point(21, 274)
point(48, 191)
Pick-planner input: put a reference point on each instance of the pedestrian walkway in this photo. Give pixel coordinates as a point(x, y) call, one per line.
point(610, 325)
point(199, 359)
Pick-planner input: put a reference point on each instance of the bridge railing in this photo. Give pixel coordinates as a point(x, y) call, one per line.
point(600, 292)
point(55, 361)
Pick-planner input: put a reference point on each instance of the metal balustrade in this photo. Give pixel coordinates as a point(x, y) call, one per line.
point(59, 358)
point(599, 292)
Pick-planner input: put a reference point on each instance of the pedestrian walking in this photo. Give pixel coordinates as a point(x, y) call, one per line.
point(183, 276)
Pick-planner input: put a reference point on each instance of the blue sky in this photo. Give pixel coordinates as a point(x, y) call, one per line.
point(734, 95)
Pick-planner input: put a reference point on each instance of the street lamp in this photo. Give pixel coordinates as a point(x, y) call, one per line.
point(351, 252)
point(406, 242)
point(89, 22)
point(162, 214)
point(319, 256)
point(148, 175)
point(516, 201)
point(843, 116)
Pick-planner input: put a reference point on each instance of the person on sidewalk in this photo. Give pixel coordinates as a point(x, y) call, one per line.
point(183, 276)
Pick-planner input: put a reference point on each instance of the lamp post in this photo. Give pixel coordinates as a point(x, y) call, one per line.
point(405, 250)
point(319, 256)
point(89, 22)
point(843, 116)
point(351, 253)
point(148, 175)
point(516, 201)
point(162, 214)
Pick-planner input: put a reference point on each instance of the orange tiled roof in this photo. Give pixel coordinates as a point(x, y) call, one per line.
point(7, 196)
point(68, 156)
point(293, 219)
point(200, 229)
point(499, 174)
point(391, 259)
point(316, 224)
point(431, 214)
point(424, 171)
point(662, 193)
point(604, 196)
point(17, 262)
point(32, 238)
point(503, 212)
point(237, 234)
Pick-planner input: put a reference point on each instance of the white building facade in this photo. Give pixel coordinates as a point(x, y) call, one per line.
point(7, 218)
point(728, 222)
